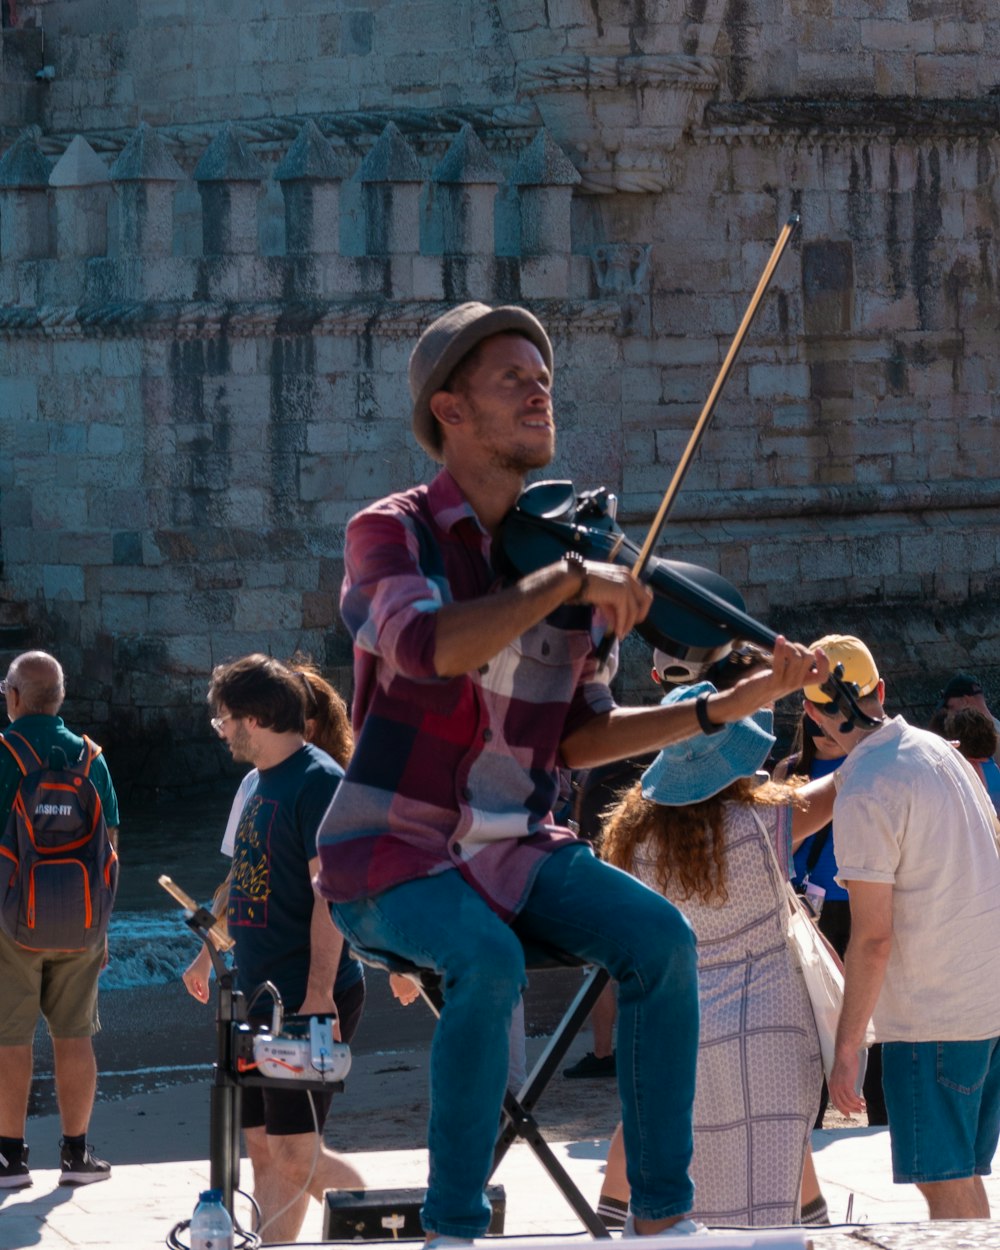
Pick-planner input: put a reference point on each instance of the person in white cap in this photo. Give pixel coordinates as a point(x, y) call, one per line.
point(914, 838)
point(470, 695)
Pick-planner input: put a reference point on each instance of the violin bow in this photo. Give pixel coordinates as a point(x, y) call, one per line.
point(834, 686)
point(653, 537)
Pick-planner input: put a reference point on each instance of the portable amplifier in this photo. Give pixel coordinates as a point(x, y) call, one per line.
point(388, 1214)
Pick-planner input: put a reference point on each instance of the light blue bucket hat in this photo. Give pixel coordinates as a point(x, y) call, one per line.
point(693, 770)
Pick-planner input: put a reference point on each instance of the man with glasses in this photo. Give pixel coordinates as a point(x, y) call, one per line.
point(61, 986)
point(282, 931)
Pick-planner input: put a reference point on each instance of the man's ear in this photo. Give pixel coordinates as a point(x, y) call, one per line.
point(445, 408)
point(812, 712)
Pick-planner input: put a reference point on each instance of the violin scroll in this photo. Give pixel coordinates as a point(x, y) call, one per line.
point(840, 692)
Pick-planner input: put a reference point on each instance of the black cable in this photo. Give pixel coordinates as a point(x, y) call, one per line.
point(242, 1240)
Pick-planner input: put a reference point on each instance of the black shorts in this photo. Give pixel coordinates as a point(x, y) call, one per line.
point(283, 1113)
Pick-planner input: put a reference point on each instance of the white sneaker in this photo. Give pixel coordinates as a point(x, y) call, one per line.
point(683, 1228)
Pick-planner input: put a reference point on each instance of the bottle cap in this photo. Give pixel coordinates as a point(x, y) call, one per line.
point(210, 1195)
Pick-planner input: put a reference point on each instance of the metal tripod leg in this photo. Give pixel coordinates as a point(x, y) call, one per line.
point(224, 1107)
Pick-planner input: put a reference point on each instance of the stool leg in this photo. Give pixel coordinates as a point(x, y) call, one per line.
point(562, 1039)
point(518, 1121)
point(523, 1125)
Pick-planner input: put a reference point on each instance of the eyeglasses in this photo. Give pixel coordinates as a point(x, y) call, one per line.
point(6, 684)
point(218, 721)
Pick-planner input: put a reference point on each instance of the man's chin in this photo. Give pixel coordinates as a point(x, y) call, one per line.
point(524, 460)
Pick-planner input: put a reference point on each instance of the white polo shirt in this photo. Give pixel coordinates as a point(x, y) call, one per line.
point(911, 812)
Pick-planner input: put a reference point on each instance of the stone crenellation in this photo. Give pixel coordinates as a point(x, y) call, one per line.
point(207, 304)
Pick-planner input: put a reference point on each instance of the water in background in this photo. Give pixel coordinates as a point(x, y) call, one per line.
point(149, 942)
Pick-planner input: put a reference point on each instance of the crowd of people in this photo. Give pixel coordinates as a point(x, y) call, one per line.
point(423, 830)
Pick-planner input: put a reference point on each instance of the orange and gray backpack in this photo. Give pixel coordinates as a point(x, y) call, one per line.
point(58, 868)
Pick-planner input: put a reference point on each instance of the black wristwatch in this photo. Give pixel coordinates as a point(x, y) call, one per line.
point(701, 711)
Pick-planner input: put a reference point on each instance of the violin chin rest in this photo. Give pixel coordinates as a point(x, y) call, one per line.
point(678, 665)
point(552, 500)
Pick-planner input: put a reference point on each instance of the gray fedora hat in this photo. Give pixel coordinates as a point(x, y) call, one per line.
point(444, 345)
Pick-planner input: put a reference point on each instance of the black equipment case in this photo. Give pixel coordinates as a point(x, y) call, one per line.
point(388, 1214)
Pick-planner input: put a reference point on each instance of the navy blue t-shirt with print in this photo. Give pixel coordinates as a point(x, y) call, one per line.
point(271, 897)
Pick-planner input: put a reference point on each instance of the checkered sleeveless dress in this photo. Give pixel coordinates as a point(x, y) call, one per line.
point(759, 1073)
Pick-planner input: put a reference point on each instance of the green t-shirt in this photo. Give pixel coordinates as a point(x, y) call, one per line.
point(44, 733)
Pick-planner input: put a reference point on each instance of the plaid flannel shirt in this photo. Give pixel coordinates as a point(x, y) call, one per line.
point(448, 773)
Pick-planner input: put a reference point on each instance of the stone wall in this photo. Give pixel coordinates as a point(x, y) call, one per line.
point(218, 244)
point(174, 62)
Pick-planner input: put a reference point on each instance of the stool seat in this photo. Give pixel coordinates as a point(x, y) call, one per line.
point(518, 1120)
point(537, 958)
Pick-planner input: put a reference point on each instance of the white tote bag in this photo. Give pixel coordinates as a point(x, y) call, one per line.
point(820, 967)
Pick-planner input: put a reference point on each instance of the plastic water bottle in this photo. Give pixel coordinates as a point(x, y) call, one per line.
point(211, 1227)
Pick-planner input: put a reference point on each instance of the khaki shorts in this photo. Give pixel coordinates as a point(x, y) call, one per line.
point(61, 987)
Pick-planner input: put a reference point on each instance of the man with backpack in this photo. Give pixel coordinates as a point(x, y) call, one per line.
point(58, 872)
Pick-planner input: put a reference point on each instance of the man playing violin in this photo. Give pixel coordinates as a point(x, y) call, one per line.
point(469, 696)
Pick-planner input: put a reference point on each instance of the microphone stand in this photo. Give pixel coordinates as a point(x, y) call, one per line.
point(224, 1107)
point(234, 1043)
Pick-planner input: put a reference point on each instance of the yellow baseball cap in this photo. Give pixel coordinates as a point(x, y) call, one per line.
point(859, 667)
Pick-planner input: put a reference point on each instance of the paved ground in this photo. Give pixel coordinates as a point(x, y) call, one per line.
point(140, 1204)
point(165, 1132)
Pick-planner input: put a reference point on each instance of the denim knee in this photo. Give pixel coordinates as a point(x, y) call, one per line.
point(490, 967)
point(668, 948)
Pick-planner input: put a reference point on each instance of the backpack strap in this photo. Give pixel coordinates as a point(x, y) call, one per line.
point(819, 841)
point(27, 758)
point(91, 750)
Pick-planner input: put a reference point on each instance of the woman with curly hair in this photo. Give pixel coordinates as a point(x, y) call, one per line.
point(707, 830)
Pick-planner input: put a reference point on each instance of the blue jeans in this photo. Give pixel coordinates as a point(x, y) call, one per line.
point(593, 911)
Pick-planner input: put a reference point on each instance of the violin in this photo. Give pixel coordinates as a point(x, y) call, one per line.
point(696, 614)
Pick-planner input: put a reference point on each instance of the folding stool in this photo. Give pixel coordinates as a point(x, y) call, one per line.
point(518, 1120)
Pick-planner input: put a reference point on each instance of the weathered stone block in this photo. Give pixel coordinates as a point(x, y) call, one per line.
point(946, 76)
point(905, 35)
point(19, 399)
point(266, 609)
point(265, 576)
point(951, 586)
point(428, 278)
point(229, 225)
point(191, 654)
point(319, 610)
point(544, 277)
point(126, 614)
point(788, 380)
point(54, 510)
point(958, 36)
point(62, 581)
point(68, 440)
point(127, 547)
point(828, 286)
